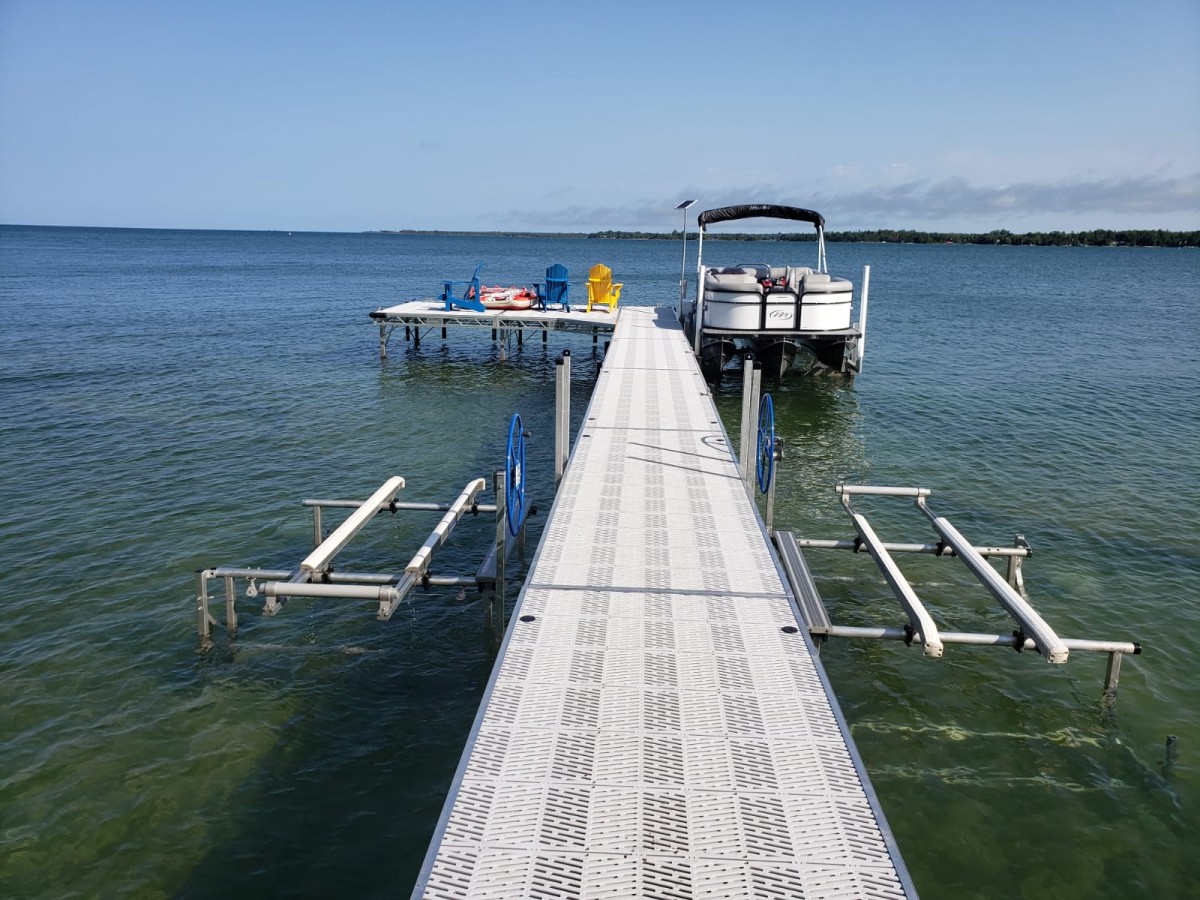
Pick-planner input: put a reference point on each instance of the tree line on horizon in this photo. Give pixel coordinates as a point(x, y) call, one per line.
point(1097, 237)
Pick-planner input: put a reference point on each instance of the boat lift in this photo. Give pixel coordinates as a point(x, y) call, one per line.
point(315, 576)
point(759, 467)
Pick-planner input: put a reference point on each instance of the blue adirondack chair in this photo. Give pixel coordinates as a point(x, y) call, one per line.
point(557, 289)
point(470, 296)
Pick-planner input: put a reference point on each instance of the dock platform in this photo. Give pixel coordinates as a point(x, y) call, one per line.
point(432, 313)
point(657, 723)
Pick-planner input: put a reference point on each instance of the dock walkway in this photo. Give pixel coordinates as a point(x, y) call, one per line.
point(657, 724)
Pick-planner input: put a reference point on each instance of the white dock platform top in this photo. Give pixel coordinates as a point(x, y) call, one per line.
point(650, 729)
point(432, 313)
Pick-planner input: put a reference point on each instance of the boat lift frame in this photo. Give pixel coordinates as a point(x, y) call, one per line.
point(1032, 633)
point(315, 577)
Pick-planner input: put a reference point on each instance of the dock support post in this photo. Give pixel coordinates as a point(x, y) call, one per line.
point(494, 610)
point(771, 487)
point(202, 616)
point(861, 350)
point(751, 395)
point(1015, 578)
point(1111, 676)
point(562, 415)
point(744, 433)
point(230, 612)
point(317, 535)
point(443, 332)
point(383, 342)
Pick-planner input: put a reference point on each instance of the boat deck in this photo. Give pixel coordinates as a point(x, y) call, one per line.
point(657, 723)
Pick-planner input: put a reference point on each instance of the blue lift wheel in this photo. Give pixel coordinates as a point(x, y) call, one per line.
point(766, 443)
point(514, 488)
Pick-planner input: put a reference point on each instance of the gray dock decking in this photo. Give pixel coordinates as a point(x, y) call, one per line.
point(657, 724)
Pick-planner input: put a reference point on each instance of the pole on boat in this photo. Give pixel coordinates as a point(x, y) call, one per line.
point(684, 206)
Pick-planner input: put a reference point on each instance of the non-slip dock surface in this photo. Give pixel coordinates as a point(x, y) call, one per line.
point(657, 725)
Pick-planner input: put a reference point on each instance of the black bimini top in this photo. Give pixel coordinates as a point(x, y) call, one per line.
point(764, 210)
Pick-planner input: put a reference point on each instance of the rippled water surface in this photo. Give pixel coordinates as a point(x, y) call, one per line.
point(168, 398)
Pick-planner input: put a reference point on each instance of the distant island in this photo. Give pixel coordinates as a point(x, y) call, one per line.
point(1099, 237)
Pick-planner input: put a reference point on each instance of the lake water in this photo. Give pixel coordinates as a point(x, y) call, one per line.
point(167, 398)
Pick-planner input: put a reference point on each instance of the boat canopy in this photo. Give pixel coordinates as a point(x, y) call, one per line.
point(764, 210)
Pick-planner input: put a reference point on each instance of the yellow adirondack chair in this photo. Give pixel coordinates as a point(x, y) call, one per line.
point(601, 290)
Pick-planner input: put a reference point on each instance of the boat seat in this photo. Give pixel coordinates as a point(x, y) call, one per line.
point(760, 270)
point(736, 281)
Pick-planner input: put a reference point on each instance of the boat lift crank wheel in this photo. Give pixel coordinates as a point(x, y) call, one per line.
point(514, 487)
point(766, 443)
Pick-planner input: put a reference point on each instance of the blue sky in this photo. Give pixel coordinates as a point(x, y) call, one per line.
point(557, 116)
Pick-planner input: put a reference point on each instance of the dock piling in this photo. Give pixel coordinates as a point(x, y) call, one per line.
point(562, 415)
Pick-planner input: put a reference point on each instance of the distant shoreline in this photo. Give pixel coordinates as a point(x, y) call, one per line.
point(1099, 237)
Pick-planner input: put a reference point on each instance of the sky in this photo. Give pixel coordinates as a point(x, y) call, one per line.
point(565, 116)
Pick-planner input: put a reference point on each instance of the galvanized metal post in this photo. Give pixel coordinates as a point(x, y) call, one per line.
point(747, 414)
point(752, 426)
point(318, 536)
point(1015, 578)
point(862, 315)
point(230, 612)
point(495, 610)
point(778, 452)
point(1111, 676)
point(562, 415)
point(202, 605)
point(383, 342)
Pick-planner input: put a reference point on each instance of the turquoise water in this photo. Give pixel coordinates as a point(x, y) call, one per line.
point(168, 398)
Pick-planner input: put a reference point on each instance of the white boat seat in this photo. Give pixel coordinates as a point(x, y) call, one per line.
point(732, 282)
